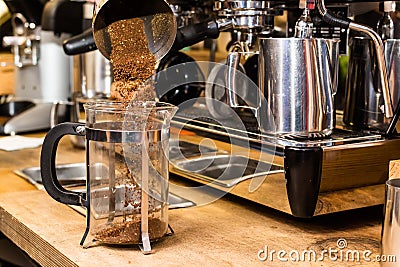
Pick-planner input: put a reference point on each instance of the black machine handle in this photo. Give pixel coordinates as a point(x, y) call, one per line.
point(48, 165)
point(80, 43)
point(185, 36)
point(192, 34)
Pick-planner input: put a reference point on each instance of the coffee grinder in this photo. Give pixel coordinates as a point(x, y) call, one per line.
point(42, 70)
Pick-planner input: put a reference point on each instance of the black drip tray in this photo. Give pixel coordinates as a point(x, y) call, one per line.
point(225, 170)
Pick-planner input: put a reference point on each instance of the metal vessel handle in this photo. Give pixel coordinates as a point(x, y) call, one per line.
point(48, 165)
point(233, 64)
point(348, 23)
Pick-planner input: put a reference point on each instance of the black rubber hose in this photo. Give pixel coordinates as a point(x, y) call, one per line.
point(336, 21)
point(331, 19)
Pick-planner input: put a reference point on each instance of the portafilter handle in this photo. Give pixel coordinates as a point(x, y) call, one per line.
point(185, 36)
point(192, 34)
point(80, 43)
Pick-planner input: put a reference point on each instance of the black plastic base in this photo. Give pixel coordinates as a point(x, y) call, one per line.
point(303, 168)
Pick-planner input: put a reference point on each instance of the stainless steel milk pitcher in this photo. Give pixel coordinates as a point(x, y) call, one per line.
point(364, 93)
point(390, 235)
point(298, 78)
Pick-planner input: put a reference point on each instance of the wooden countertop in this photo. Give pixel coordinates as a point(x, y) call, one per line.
point(6, 73)
point(227, 232)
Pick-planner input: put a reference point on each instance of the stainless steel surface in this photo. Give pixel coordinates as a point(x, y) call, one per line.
point(35, 117)
point(364, 105)
point(365, 101)
point(304, 25)
point(73, 175)
point(343, 139)
point(159, 23)
point(25, 41)
point(245, 14)
point(385, 25)
point(93, 75)
point(381, 64)
point(248, 17)
point(298, 79)
point(346, 183)
point(190, 12)
point(233, 63)
point(391, 223)
point(225, 170)
point(392, 57)
point(379, 55)
point(179, 149)
point(69, 175)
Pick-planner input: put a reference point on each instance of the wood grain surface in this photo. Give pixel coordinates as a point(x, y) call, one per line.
point(394, 169)
point(228, 232)
point(6, 74)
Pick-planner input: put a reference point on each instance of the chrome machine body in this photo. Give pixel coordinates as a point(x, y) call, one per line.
point(343, 168)
point(277, 136)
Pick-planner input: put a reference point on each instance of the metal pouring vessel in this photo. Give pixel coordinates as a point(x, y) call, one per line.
point(158, 17)
point(298, 78)
point(364, 93)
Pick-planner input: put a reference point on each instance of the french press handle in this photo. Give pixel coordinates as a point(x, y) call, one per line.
point(48, 164)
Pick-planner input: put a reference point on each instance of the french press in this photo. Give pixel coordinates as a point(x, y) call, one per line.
point(127, 148)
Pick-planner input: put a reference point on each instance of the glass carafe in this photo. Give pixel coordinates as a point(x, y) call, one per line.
point(127, 148)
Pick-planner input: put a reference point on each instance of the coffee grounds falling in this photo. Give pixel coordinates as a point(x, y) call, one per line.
point(133, 66)
point(132, 61)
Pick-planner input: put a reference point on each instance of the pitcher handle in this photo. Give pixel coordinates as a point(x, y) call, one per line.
point(48, 166)
point(232, 62)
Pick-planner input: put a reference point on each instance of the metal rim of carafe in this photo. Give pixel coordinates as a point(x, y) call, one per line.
point(124, 106)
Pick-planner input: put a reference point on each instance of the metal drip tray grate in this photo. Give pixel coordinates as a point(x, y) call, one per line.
point(225, 170)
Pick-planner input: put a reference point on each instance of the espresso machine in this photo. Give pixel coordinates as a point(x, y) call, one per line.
point(303, 158)
point(42, 70)
point(268, 128)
